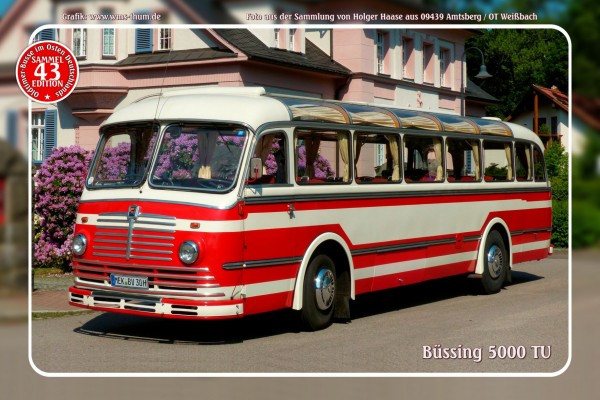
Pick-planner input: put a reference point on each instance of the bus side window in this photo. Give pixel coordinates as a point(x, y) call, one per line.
point(322, 156)
point(538, 165)
point(465, 160)
point(497, 157)
point(424, 162)
point(523, 162)
point(271, 149)
point(376, 158)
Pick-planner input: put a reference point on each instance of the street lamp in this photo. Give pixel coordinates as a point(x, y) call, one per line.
point(483, 74)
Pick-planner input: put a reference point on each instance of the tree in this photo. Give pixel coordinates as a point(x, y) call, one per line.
point(518, 58)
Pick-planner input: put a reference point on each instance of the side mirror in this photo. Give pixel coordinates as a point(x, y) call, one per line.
point(256, 168)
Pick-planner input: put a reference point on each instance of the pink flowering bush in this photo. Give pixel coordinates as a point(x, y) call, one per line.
point(58, 186)
point(322, 165)
point(114, 163)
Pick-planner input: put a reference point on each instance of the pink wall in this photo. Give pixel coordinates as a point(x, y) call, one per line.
point(354, 49)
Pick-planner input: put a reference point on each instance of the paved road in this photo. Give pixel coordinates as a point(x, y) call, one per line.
point(388, 334)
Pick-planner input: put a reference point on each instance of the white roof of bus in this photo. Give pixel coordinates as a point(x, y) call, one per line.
point(233, 104)
point(225, 104)
point(520, 132)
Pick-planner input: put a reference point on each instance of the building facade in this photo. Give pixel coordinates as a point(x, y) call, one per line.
point(405, 68)
point(546, 112)
point(144, 53)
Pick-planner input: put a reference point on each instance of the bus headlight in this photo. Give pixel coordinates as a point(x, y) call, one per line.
point(188, 252)
point(79, 244)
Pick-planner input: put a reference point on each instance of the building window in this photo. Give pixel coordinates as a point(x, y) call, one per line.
point(292, 40)
point(428, 63)
point(79, 42)
point(37, 136)
point(380, 52)
point(143, 36)
point(108, 42)
point(445, 79)
point(43, 134)
point(45, 34)
point(276, 37)
point(164, 39)
point(554, 125)
point(408, 63)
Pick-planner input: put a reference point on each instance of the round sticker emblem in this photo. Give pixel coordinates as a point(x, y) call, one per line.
point(47, 71)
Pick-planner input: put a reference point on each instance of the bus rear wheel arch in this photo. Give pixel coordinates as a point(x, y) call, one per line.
point(326, 287)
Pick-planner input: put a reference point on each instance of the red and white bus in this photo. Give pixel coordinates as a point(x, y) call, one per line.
point(224, 202)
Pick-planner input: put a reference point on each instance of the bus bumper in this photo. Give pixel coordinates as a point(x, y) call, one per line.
point(151, 306)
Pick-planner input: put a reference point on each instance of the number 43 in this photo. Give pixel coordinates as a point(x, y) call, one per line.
point(40, 71)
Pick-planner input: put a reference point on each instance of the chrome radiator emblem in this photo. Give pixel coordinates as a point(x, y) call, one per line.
point(132, 214)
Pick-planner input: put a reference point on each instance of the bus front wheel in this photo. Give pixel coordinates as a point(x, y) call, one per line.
point(495, 261)
point(318, 293)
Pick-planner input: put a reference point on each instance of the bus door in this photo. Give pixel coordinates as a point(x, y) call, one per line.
point(271, 258)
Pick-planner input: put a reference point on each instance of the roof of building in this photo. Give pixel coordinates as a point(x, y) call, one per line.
point(555, 96)
point(474, 92)
point(313, 59)
point(176, 56)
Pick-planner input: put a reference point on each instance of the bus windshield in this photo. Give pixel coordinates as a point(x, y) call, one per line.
point(198, 157)
point(123, 156)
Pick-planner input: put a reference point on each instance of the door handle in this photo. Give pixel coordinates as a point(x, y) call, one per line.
point(290, 210)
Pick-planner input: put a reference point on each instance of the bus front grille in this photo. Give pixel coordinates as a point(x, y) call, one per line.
point(148, 237)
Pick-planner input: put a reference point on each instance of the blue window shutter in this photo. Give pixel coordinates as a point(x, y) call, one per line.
point(143, 40)
point(11, 127)
point(47, 34)
point(49, 132)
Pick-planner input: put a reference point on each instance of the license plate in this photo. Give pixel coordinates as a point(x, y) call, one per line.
point(127, 281)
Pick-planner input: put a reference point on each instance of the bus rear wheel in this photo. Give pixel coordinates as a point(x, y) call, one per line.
point(318, 293)
point(495, 263)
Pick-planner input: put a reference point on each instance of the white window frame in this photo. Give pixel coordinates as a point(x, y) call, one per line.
point(292, 39)
point(80, 49)
point(380, 52)
point(38, 125)
point(104, 45)
point(277, 32)
point(443, 65)
point(165, 39)
point(406, 41)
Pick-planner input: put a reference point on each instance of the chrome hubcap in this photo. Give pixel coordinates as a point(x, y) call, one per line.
point(324, 289)
point(495, 260)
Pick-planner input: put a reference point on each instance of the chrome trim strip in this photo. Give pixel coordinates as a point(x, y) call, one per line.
point(135, 236)
point(150, 251)
point(134, 242)
point(400, 247)
point(113, 214)
point(158, 216)
point(133, 257)
point(163, 293)
point(261, 263)
point(381, 195)
point(116, 264)
point(80, 271)
point(138, 228)
point(141, 221)
point(110, 227)
point(526, 231)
